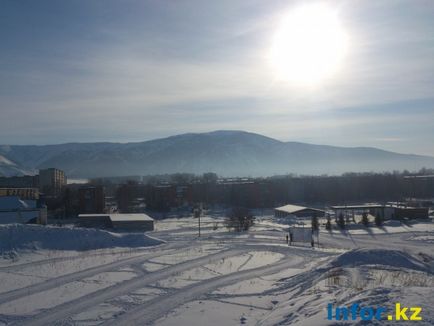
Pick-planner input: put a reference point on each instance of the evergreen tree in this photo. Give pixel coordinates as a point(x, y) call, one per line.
point(341, 221)
point(378, 220)
point(315, 223)
point(365, 220)
point(328, 225)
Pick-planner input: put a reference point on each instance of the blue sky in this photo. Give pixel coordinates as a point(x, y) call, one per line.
point(136, 70)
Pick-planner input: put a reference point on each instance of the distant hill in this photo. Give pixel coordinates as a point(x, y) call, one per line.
point(228, 153)
point(8, 168)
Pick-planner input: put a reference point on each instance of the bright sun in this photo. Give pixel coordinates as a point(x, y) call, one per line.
point(308, 45)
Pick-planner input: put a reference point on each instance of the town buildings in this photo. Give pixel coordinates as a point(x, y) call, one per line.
point(91, 200)
point(297, 211)
point(51, 181)
point(25, 181)
point(23, 193)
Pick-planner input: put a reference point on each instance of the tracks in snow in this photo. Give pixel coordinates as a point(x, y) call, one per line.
point(76, 276)
point(149, 312)
point(70, 308)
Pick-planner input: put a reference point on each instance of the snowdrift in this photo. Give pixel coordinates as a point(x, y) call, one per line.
point(32, 237)
point(372, 277)
point(392, 258)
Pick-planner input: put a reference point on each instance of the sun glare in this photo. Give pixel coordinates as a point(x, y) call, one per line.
point(309, 45)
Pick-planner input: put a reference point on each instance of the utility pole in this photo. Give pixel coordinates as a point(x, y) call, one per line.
point(197, 214)
point(199, 223)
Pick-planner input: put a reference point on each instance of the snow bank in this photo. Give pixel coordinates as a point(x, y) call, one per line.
point(393, 258)
point(423, 238)
point(16, 237)
point(372, 277)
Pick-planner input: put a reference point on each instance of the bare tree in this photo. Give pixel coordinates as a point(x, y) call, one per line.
point(239, 219)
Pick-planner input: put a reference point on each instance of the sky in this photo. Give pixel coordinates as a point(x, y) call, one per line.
point(120, 71)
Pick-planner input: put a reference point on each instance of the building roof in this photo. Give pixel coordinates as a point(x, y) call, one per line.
point(129, 217)
point(120, 217)
point(15, 203)
point(354, 207)
point(292, 209)
point(419, 176)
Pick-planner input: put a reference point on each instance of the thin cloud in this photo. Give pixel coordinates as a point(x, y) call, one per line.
point(137, 77)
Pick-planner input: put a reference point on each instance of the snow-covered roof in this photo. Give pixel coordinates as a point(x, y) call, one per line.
point(15, 203)
point(365, 206)
point(291, 209)
point(120, 217)
point(93, 215)
point(129, 217)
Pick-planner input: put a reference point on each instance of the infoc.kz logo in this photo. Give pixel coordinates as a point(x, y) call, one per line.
point(356, 311)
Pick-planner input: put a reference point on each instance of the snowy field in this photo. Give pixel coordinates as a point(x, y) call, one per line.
point(74, 276)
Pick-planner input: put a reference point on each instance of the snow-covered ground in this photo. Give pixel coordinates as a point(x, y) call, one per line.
point(74, 276)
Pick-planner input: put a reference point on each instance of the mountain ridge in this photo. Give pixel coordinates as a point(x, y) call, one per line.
point(226, 152)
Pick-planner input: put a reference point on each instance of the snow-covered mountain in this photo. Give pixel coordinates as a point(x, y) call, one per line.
point(9, 168)
point(228, 153)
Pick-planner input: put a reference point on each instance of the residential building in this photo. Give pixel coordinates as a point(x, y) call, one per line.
point(51, 181)
point(23, 193)
point(25, 181)
point(91, 200)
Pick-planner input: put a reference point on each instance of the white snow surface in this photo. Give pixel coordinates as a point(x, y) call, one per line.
point(75, 276)
point(390, 258)
point(24, 237)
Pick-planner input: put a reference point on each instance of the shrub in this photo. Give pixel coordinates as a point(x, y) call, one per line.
point(328, 225)
point(378, 220)
point(341, 221)
point(365, 220)
point(239, 219)
point(315, 224)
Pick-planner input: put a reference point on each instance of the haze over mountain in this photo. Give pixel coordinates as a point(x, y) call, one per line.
point(227, 153)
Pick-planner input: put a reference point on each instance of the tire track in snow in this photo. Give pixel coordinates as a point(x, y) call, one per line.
point(149, 312)
point(67, 309)
point(83, 255)
point(77, 276)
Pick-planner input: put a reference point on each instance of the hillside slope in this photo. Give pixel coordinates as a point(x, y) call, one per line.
point(228, 153)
